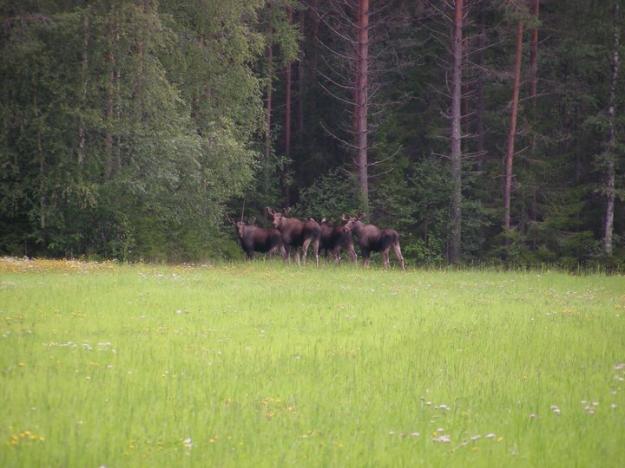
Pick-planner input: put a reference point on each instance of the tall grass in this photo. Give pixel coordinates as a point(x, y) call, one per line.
point(263, 364)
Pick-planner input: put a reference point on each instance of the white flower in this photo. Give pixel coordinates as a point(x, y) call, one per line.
point(443, 439)
point(490, 435)
point(188, 443)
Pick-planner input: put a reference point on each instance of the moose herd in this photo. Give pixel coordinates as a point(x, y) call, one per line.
point(290, 235)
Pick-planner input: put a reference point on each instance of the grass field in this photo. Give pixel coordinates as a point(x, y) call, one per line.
point(263, 364)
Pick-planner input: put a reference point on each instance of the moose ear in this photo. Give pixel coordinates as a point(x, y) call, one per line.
point(344, 217)
point(269, 212)
point(361, 215)
point(287, 210)
point(323, 220)
point(252, 220)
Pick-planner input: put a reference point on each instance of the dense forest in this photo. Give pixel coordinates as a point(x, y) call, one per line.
point(484, 131)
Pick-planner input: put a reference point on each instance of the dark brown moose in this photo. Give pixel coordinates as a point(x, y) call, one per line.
point(373, 239)
point(257, 239)
point(296, 234)
point(334, 238)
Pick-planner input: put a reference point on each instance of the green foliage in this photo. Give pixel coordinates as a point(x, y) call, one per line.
point(128, 128)
point(331, 196)
point(166, 119)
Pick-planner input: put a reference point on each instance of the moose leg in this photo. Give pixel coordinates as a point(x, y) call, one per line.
point(352, 253)
point(274, 251)
point(385, 257)
point(400, 257)
point(305, 248)
point(287, 253)
point(297, 255)
point(336, 253)
point(315, 245)
point(365, 257)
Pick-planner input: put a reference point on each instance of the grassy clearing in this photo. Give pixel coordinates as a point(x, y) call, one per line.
point(264, 364)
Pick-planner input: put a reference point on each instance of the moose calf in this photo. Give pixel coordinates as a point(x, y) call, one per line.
point(335, 238)
point(256, 239)
point(373, 239)
point(296, 233)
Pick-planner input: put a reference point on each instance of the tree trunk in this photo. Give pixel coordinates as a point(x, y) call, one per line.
point(513, 122)
point(83, 93)
point(480, 107)
point(287, 93)
point(608, 229)
point(287, 120)
point(140, 79)
point(268, 101)
point(534, 53)
point(300, 83)
point(108, 112)
point(42, 169)
point(456, 137)
point(362, 101)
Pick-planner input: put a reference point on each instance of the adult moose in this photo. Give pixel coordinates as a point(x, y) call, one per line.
point(257, 239)
point(296, 233)
point(334, 238)
point(373, 239)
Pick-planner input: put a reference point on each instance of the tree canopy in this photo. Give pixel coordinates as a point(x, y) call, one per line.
point(129, 128)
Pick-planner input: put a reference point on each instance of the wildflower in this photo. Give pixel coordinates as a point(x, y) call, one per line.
point(188, 443)
point(490, 435)
point(475, 438)
point(443, 439)
point(555, 409)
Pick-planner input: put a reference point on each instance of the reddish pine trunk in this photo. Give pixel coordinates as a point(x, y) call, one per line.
point(300, 83)
point(314, 37)
point(608, 228)
point(287, 120)
point(362, 100)
point(456, 137)
point(480, 108)
point(287, 111)
point(513, 121)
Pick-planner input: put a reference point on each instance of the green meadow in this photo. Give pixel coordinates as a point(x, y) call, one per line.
point(266, 364)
